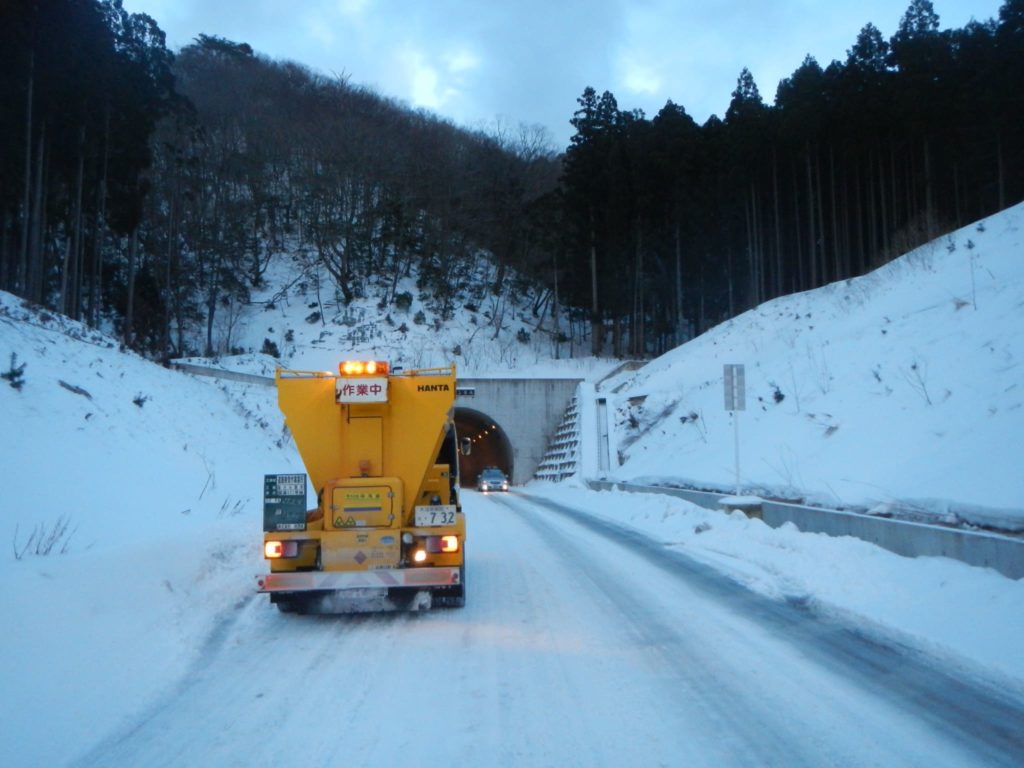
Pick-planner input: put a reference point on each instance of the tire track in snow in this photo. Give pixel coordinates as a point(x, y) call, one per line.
point(743, 734)
point(980, 716)
point(232, 691)
point(557, 659)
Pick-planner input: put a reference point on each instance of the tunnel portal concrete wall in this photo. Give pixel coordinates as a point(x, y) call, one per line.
point(528, 411)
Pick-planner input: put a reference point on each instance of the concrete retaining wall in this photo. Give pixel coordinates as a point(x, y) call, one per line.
point(1004, 554)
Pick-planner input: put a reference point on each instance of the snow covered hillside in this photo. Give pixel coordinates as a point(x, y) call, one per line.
point(899, 392)
point(131, 507)
point(311, 328)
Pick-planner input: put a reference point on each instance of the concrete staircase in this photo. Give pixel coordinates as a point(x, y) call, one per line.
point(562, 456)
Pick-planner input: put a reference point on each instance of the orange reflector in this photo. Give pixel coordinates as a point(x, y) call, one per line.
point(273, 550)
point(449, 543)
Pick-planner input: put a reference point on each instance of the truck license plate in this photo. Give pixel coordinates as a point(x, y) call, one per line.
point(434, 515)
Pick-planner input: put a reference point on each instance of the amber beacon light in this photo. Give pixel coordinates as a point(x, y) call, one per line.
point(363, 368)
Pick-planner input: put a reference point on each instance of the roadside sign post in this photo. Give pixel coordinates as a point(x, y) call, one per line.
point(735, 401)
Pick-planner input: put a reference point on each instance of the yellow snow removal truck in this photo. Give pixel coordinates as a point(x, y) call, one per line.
point(388, 531)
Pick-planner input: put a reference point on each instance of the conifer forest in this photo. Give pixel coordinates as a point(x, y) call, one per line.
point(145, 190)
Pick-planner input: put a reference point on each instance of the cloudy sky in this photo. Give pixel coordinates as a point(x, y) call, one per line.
point(477, 62)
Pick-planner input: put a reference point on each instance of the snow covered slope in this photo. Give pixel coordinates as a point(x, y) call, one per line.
point(131, 510)
point(898, 391)
point(312, 328)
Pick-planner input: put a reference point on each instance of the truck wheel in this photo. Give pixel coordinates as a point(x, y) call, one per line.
point(284, 605)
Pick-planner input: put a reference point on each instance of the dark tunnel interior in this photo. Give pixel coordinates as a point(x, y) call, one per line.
point(491, 447)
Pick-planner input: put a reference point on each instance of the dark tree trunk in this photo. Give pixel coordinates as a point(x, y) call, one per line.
point(129, 312)
point(812, 240)
point(36, 250)
point(21, 275)
point(639, 329)
point(777, 288)
point(1000, 171)
point(597, 331)
point(99, 227)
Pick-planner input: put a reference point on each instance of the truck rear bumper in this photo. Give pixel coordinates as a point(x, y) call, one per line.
point(319, 581)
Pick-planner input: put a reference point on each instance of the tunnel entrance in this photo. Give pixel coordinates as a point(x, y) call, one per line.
point(491, 446)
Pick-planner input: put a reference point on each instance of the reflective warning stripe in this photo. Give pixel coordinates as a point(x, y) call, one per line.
point(337, 580)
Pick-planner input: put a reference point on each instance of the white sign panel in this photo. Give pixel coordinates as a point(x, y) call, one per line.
point(362, 389)
point(435, 514)
point(735, 388)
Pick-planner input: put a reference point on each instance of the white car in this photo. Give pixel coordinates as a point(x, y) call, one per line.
point(491, 479)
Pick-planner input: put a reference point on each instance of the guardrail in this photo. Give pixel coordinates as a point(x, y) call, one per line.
point(219, 373)
point(628, 365)
point(1004, 554)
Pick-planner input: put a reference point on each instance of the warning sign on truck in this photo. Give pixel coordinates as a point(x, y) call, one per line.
point(284, 502)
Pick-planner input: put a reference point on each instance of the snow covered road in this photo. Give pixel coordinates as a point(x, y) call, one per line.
point(581, 644)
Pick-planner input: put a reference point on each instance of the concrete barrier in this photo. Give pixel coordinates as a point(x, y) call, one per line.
point(1004, 554)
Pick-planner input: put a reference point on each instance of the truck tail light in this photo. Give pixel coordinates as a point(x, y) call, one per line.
point(436, 544)
point(274, 550)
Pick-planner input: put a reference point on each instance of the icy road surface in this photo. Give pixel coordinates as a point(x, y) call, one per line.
point(581, 645)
